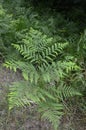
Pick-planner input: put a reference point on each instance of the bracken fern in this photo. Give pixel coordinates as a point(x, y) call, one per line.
point(47, 75)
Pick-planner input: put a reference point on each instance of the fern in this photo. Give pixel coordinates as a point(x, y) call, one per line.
point(45, 70)
point(38, 48)
point(51, 111)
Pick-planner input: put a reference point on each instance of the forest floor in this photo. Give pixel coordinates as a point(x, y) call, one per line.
point(27, 118)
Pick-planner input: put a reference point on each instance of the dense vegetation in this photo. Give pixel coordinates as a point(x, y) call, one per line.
point(46, 42)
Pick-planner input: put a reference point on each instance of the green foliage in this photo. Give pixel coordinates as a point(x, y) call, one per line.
point(5, 20)
point(49, 48)
point(46, 71)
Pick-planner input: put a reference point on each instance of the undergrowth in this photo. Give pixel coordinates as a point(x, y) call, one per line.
point(49, 48)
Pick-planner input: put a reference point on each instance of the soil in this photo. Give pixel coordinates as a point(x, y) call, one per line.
point(27, 118)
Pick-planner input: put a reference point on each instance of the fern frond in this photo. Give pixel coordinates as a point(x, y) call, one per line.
point(64, 92)
point(23, 93)
point(38, 48)
point(28, 70)
point(52, 111)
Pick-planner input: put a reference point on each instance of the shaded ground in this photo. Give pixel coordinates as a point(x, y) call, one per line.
point(28, 118)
